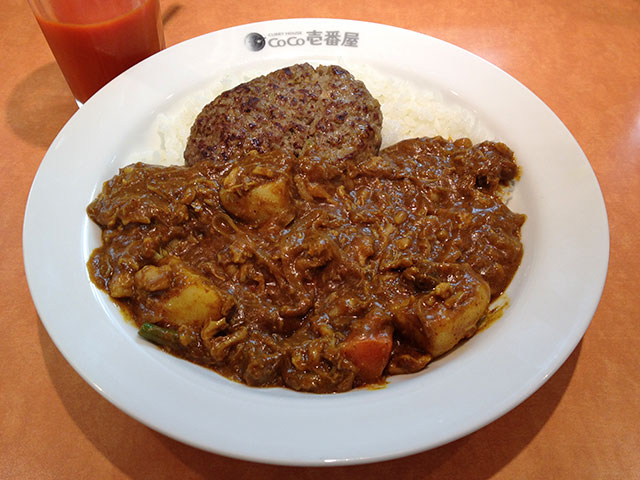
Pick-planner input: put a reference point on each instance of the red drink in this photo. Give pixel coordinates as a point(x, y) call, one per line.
point(96, 40)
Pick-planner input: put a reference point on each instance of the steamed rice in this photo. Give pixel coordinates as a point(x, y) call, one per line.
point(409, 111)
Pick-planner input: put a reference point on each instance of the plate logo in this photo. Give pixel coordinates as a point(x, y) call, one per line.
point(334, 38)
point(254, 42)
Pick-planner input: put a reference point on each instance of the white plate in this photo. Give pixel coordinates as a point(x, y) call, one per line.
point(552, 298)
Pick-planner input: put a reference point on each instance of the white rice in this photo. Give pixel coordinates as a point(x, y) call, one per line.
point(409, 111)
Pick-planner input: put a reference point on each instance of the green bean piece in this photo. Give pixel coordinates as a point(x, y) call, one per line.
point(163, 337)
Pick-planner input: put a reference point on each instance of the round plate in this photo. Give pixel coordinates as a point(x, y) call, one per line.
point(552, 298)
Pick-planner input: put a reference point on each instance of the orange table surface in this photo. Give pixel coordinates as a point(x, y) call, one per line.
point(582, 58)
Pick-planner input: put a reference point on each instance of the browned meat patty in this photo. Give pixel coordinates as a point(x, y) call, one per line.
point(323, 113)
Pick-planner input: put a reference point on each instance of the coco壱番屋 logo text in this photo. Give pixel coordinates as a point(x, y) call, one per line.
point(334, 38)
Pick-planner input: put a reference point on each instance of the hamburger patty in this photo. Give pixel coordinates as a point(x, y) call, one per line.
point(322, 113)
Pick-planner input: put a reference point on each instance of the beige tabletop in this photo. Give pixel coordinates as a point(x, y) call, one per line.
point(582, 58)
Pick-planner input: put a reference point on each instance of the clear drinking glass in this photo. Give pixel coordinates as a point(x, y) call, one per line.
point(94, 41)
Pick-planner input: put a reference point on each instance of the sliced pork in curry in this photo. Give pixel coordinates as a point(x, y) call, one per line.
point(273, 270)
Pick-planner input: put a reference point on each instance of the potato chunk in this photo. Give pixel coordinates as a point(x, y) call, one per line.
point(453, 301)
point(188, 299)
point(193, 305)
point(259, 190)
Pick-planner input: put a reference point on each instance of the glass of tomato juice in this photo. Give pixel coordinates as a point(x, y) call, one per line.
point(94, 41)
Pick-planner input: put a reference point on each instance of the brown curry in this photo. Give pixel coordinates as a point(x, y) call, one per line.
point(281, 271)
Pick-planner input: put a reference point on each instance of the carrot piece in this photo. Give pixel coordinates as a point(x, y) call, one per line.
point(369, 352)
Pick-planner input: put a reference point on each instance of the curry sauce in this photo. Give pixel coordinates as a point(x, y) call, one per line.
point(273, 272)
